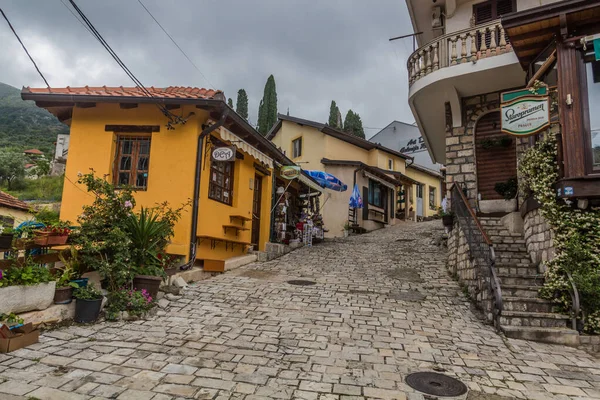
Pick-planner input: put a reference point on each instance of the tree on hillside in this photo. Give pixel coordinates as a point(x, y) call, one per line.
point(335, 117)
point(353, 124)
point(241, 106)
point(230, 102)
point(267, 111)
point(12, 167)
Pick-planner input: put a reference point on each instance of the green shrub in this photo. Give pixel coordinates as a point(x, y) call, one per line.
point(28, 274)
point(88, 292)
point(135, 302)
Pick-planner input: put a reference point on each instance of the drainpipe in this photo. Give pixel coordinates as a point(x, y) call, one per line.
point(196, 202)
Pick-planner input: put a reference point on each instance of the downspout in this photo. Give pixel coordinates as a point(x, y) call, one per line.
point(198, 173)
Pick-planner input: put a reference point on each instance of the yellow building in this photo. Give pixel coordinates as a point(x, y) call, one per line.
point(428, 190)
point(180, 145)
point(387, 186)
point(12, 211)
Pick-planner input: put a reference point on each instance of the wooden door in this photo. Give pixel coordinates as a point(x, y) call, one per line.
point(256, 202)
point(495, 155)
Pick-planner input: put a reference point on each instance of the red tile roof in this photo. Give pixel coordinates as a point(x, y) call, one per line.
point(6, 200)
point(172, 92)
point(27, 166)
point(33, 151)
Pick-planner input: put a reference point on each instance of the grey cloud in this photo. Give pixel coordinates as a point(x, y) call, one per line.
point(317, 50)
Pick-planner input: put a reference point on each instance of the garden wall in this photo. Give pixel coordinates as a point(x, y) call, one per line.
point(539, 238)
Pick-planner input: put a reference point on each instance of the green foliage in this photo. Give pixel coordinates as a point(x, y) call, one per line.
point(490, 143)
point(47, 216)
point(507, 189)
point(353, 124)
point(135, 302)
point(48, 188)
point(230, 102)
point(12, 167)
point(24, 125)
point(87, 293)
point(70, 270)
point(42, 168)
point(267, 111)
point(335, 119)
point(241, 106)
point(29, 274)
point(576, 235)
point(11, 319)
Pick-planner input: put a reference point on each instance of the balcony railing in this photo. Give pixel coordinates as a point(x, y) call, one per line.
point(468, 45)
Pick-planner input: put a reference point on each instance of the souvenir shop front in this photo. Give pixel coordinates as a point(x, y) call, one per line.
point(296, 214)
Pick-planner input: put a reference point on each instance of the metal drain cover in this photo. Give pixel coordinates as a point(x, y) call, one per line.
point(301, 282)
point(436, 384)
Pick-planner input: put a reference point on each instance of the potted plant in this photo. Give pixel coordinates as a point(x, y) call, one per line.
point(26, 287)
point(128, 304)
point(52, 235)
point(66, 275)
point(88, 301)
point(346, 229)
point(6, 238)
point(447, 218)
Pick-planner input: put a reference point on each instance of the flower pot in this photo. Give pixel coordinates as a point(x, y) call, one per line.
point(63, 295)
point(81, 282)
point(448, 220)
point(55, 240)
point(87, 310)
point(148, 282)
point(346, 233)
point(18, 299)
point(6, 241)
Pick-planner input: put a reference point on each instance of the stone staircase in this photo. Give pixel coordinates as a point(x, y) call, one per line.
point(525, 314)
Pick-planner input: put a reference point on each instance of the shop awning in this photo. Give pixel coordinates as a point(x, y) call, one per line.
point(378, 179)
point(229, 136)
point(309, 182)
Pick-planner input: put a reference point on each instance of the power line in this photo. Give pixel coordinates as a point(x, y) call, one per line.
point(175, 43)
point(24, 48)
point(76, 17)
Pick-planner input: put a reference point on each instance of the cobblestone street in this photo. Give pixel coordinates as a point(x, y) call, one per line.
point(383, 306)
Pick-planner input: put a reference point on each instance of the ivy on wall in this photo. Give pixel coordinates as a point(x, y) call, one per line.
point(576, 235)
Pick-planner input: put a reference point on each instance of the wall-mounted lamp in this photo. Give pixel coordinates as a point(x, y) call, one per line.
point(569, 100)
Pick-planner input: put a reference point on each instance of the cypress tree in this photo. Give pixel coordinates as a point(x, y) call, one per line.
point(353, 124)
point(241, 106)
point(334, 116)
point(267, 111)
point(230, 102)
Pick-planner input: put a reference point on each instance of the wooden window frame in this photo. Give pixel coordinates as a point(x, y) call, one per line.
point(211, 183)
point(494, 4)
point(371, 197)
point(587, 125)
point(432, 192)
point(390, 164)
point(135, 157)
point(294, 155)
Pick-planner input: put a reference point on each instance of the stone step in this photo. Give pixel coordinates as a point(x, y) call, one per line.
point(507, 260)
point(520, 290)
point(516, 269)
point(564, 336)
point(533, 319)
point(531, 304)
point(512, 248)
point(496, 240)
point(524, 280)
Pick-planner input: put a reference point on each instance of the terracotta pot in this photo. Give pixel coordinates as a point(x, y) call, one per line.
point(55, 240)
point(148, 282)
point(63, 295)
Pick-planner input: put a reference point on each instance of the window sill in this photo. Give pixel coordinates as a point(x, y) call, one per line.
point(221, 202)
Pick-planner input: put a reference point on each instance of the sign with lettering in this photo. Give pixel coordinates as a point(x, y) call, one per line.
point(223, 153)
point(414, 145)
point(290, 172)
point(525, 115)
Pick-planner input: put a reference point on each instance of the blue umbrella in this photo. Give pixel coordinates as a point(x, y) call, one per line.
point(327, 181)
point(355, 200)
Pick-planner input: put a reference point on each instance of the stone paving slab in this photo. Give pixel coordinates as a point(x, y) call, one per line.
point(383, 306)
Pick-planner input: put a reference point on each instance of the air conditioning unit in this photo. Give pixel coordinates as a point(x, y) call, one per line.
point(436, 17)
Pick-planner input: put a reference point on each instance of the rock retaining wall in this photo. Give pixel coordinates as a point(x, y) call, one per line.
point(539, 238)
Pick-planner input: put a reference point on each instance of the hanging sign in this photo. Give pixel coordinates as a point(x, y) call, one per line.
point(526, 115)
point(290, 172)
point(223, 153)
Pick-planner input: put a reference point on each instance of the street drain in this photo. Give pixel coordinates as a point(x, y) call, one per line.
point(301, 282)
point(409, 295)
point(436, 384)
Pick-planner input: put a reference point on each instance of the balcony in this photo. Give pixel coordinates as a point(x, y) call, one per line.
point(468, 45)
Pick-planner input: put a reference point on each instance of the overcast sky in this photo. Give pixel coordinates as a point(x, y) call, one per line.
point(318, 50)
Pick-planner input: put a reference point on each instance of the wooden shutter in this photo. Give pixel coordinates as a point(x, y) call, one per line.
point(494, 164)
point(504, 7)
point(365, 203)
point(484, 12)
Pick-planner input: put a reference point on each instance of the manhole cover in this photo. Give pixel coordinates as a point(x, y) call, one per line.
point(300, 282)
point(436, 384)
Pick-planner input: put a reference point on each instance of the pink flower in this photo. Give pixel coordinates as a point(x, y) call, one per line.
point(128, 204)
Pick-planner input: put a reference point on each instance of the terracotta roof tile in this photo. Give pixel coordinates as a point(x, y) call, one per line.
point(33, 151)
point(173, 92)
point(6, 200)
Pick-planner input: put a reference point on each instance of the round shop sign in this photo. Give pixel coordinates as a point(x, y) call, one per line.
point(223, 154)
point(290, 172)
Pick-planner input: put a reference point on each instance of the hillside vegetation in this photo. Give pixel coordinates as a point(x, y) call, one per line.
point(24, 125)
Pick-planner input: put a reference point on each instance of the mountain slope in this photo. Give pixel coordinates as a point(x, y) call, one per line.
point(24, 125)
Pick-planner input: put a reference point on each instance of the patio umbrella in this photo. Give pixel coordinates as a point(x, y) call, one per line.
point(355, 199)
point(327, 181)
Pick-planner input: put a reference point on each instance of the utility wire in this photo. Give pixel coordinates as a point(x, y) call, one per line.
point(175, 43)
point(76, 17)
point(24, 48)
point(172, 117)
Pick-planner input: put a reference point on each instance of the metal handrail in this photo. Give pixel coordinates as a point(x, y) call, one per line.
point(575, 304)
point(480, 246)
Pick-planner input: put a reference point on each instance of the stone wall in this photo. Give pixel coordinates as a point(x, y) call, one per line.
point(539, 238)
